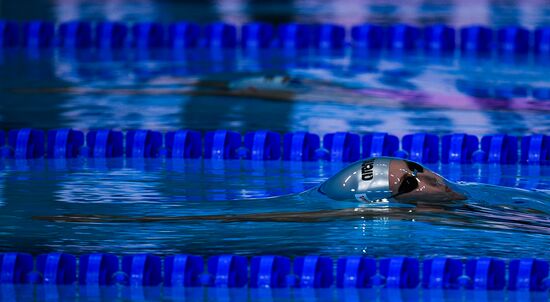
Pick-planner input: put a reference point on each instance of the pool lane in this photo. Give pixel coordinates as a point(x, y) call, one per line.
point(276, 91)
point(154, 188)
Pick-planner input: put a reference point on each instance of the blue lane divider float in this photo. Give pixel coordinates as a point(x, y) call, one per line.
point(485, 274)
point(300, 146)
point(220, 35)
point(221, 144)
point(355, 272)
point(498, 148)
point(26, 143)
point(542, 41)
point(75, 34)
point(313, 272)
point(476, 39)
point(329, 36)
point(257, 35)
point(111, 35)
point(403, 37)
point(342, 146)
point(294, 36)
point(183, 144)
point(9, 34)
point(528, 274)
point(64, 143)
point(367, 36)
point(422, 147)
point(15, 267)
point(97, 269)
point(439, 38)
point(513, 40)
point(142, 270)
point(269, 271)
point(183, 270)
point(183, 35)
point(458, 148)
point(148, 35)
point(535, 149)
point(56, 268)
point(143, 143)
point(444, 273)
point(38, 34)
point(263, 145)
point(473, 39)
point(400, 272)
point(524, 274)
point(227, 271)
point(380, 144)
point(105, 143)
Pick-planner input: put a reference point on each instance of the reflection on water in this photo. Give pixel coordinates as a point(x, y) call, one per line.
point(71, 292)
point(157, 188)
point(354, 91)
point(232, 90)
point(109, 188)
point(458, 13)
point(1, 187)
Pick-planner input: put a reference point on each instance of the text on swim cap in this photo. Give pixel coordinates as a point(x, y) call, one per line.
point(366, 169)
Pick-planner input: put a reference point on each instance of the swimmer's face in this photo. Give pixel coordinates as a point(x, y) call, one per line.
point(405, 175)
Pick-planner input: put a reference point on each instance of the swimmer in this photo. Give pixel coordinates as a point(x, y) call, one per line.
point(383, 180)
point(395, 189)
point(270, 87)
point(288, 88)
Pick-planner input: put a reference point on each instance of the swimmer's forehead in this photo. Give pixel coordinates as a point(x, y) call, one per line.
point(396, 164)
point(404, 165)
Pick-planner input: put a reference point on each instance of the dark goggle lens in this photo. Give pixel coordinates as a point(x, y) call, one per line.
point(414, 167)
point(409, 184)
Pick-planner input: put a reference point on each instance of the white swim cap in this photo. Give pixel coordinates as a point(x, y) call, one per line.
point(365, 180)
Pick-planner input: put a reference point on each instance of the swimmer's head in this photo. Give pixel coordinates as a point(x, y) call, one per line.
point(383, 179)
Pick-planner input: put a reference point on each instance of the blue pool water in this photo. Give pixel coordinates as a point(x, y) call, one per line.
point(326, 92)
point(347, 92)
point(330, 93)
point(398, 95)
point(182, 188)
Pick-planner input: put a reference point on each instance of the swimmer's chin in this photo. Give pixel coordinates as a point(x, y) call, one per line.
point(457, 194)
point(458, 197)
point(453, 194)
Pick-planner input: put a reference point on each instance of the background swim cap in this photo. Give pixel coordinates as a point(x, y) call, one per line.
point(366, 180)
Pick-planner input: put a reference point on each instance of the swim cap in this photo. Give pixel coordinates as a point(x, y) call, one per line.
point(366, 180)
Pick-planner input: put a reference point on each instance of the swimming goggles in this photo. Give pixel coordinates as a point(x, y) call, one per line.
point(410, 182)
